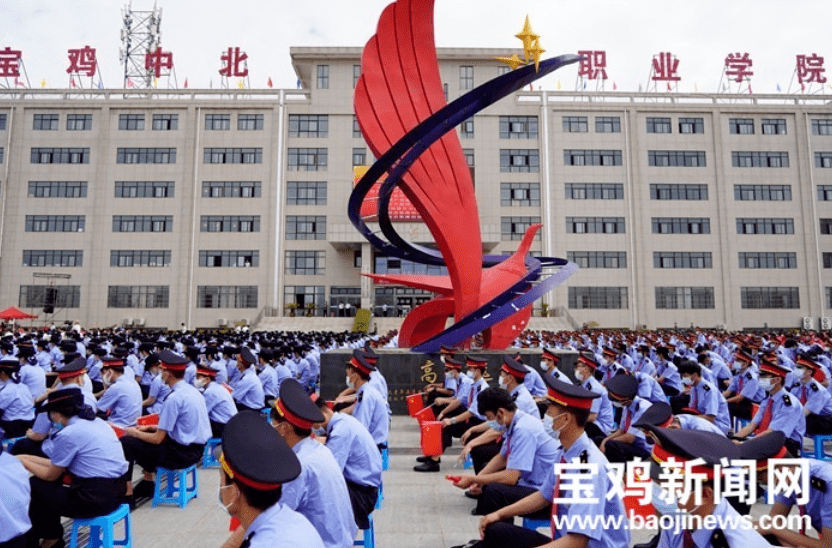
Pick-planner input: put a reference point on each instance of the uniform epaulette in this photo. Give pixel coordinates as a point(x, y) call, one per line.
point(360, 397)
point(718, 539)
point(814, 386)
point(817, 483)
point(786, 400)
point(706, 388)
point(748, 375)
point(584, 457)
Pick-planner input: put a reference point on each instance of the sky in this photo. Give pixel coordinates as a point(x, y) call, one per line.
point(700, 33)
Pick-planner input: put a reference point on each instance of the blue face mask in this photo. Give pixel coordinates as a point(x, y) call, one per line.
point(496, 426)
point(57, 427)
point(661, 505)
point(319, 432)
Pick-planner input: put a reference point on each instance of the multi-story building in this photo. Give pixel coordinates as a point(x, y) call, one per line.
point(197, 206)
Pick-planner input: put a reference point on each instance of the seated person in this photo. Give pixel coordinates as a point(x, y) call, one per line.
point(14, 504)
point(815, 399)
point(743, 391)
point(705, 400)
point(16, 403)
point(218, 400)
point(121, 402)
point(248, 390)
point(626, 441)
point(370, 407)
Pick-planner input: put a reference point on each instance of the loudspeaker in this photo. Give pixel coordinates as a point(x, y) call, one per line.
point(49, 297)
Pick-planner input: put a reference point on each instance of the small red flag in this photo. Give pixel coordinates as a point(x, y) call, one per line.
point(269, 83)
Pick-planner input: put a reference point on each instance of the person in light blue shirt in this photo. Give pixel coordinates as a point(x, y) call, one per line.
point(14, 504)
point(267, 376)
point(218, 400)
point(815, 399)
point(158, 391)
point(721, 373)
point(643, 363)
point(661, 415)
point(370, 408)
point(16, 403)
point(744, 390)
point(32, 376)
point(255, 464)
point(89, 450)
point(121, 402)
point(320, 491)
point(648, 388)
point(248, 390)
point(705, 398)
point(356, 453)
point(626, 441)
point(668, 373)
point(818, 507)
point(233, 373)
point(43, 356)
point(601, 420)
point(534, 382)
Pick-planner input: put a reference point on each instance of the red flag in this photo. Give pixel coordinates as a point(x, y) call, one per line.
point(749, 88)
point(802, 87)
point(186, 83)
point(269, 83)
point(129, 83)
point(72, 81)
point(668, 87)
point(614, 87)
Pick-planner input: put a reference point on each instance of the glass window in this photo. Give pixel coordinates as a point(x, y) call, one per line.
point(598, 259)
point(307, 159)
point(741, 126)
point(131, 122)
point(518, 127)
point(305, 263)
point(226, 296)
point(323, 76)
point(308, 125)
point(305, 227)
point(658, 125)
point(466, 77)
point(594, 191)
point(773, 126)
point(165, 122)
point(691, 125)
point(519, 194)
point(684, 298)
point(79, 122)
point(575, 124)
point(138, 296)
point(217, 122)
point(45, 122)
point(513, 228)
point(53, 257)
point(756, 298)
point(249, 122)
point(598, 298)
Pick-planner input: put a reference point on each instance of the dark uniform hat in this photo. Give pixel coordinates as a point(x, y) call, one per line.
point(76, 367)
point(68, 397)
point(549, 354)
point(9, 365)
point(68, 346)
point(771, 367)
point(447, 350)
point(247, 356)
point(568, 395)
point(588, 359)
point(146, 347)
point(294, 405)
point(100, 352)
point(28, 351)
point(358, 361)
point(514, 368)
point(112, 362)
point(265, 354)
point(370, 355)
point(452, 363)
point(254, 454)
point(743, 356)
point(207, 370)
point(803, 360)
point(172, 361)
point(688, 445)
point(622, 387)
point(762, 448)
point(476, 361)
point(659, 414)
point(151, 360)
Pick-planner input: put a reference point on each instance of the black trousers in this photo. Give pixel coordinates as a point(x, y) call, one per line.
point(16, 542)
point(618, 451)
point(741, 409)
point(793, 447)
point(669, 390)
point(168, 454)
point(16, 429)
point(28, 447)
point(497, 495)
point(481, 454)
point(593, 432)
point(241, 407)
point(818, 424)
point(456, 431)
point(217, 429)
point(501, 535)
point(85, 498)
point(363, 499)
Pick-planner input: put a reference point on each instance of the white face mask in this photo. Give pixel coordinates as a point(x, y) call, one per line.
point(580, 376)
point(765, 383)
point(800, 371)
point(469, 374)
point(219, 499)
point(107, 379)
point(548, 425)
point(687, 381)
point(200, 383)
point(617, 404)
point(664, 503)
point(350, 384)
point(502, 383)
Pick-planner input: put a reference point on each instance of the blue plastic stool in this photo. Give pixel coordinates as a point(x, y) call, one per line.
point(369, 536)
point(818, 452)
point(469, 462)
point(739, 423)
point(8, 443)
point(176, 489)
point(535, 524)
point(208, 460)
point(380, 498)
point(101, 530)
point(385, 459)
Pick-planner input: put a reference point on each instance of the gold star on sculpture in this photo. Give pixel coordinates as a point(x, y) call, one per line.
point(536, 51)
point(528, 37)
point(514, 61)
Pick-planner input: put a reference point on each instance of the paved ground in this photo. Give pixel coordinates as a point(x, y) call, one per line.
point(419, 511)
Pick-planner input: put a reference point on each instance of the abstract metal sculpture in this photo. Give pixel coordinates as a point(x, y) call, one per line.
point(406, 121)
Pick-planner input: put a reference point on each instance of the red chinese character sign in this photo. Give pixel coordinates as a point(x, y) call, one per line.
point(234, 64)
point(83, 62)
point(665, 69)
point(158, 63)
point(737, 73)
point(593, 66)
point(809, 70)
point(11, 64)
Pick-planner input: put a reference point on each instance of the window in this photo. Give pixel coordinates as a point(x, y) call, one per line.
point(1, 155)
point(773, 193)
point(597, 297)
point(682, 259)
point(658, 125)
point(226, 296)
point(233, 156)
point(466, 77)
point(55, 223)
point(307, 159)
point(142, 223)
point(165, 122)
point(518, 127)
point(249, 122)
point(765, 226)
point(60, 156)
point(469, 156)
point(594, 191)
point(684, 297)
point(826, 226)
point(519, 194)
point(676, 158)
point(144, 189)
point(466, 129)
point(755, 298)
point(79, 122)
point(146, 156)
point(359, 156)
point(53, 257)
point(305, 227)
point(35, 296)
point(151, 258)
point(681, 225)
point(138, 296)
point(827, 260)
point(356, 127)
point(821, 126)
point(825, 193)
point(575, 124)
point(356, 74)
point(519, 161)
point(303, 295)
point(773, 126)
point(780, 260)
point(306, 193)
point(513, 228)
point(691, 125)
point(760, 159)
point(823, 159)
point(678, 192)
point(591, 157)
point(394, 265)
point(607, 124)
point(57, 189)
point(741, 126)
point(595, 225)
point(235, 258)
point(231, 189)
point(229, 223)
point(217, 122)
point(308, 125)
point(45, 122)
point(131, 122)
point(503, 69)
point(323, 76)
point(2, 122)
point(306, 263)
point(829, 297)
point(598, 259)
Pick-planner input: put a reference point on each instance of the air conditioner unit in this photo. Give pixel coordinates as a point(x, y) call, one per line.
point(720, 326)
point(808, 322)
point(127, 321)
point(826, 323)
point(139, 322)
point(222, 322)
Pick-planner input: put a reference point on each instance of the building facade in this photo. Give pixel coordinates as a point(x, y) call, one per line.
point(207, 207)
